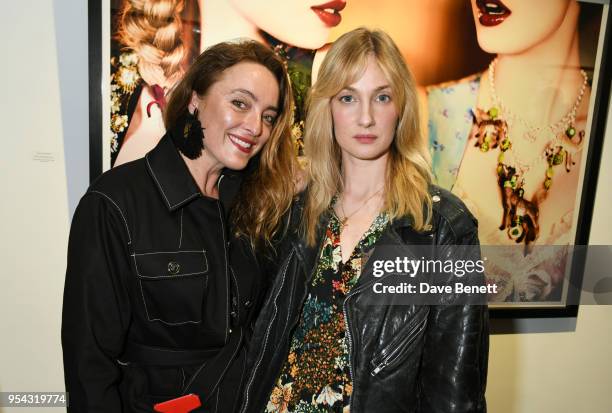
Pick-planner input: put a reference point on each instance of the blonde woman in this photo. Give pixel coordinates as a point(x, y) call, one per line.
point(319, 344)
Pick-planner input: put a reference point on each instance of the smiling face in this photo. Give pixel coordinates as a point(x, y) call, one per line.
point(365, 116)
point(301, 23)
point(514, 26)
point(238, 114)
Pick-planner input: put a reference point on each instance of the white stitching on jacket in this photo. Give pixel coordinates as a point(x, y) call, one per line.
point(157, 182)
point(162, 189)
point(168, 252)
point(181, 235)
point(203, 252)
point(145, 302)
point(120, 211)
point(226, 265)
point(250, 382)
point(237, 290)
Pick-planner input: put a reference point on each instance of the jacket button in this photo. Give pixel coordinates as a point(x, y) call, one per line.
point(173, 268)
point(435, 198)
point(248, 304)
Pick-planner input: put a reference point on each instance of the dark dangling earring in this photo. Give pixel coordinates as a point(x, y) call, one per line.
point(189, 135)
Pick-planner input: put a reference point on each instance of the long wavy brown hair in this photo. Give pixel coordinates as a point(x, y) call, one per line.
point(408, 171)
point(268, 189)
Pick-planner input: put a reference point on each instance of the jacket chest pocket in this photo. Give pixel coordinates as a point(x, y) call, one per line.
point(400, 345)
point(173, 285)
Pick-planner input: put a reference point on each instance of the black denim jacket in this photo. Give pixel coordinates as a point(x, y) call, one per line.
point(149, 265)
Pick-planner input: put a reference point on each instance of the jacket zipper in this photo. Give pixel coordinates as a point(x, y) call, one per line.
point(350, 339)
point(263, 349)
point(390, 358)
point(246, 400)
point(348, 330)
point(261, 353)
point(347, 327)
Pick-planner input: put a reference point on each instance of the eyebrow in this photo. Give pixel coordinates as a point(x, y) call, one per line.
point(379, 88)
point(252, 95)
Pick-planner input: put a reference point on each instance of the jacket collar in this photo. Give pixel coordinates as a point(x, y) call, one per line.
point(170, 174)
point(175, 183)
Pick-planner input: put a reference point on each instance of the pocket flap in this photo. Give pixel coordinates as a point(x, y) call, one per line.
point(170, 264)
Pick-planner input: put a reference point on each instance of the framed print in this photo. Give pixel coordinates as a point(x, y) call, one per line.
point(514, 99)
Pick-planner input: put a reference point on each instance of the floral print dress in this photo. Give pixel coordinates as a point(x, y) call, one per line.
point(316, 376)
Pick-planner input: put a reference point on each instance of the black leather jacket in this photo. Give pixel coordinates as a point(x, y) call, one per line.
point(404, 358)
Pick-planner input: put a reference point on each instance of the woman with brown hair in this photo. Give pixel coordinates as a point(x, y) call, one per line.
point(159, 296)
point(326, 340)
point(156, 38)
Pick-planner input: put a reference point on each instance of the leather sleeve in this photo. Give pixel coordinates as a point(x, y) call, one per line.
point(95, 310)
point(454, 362)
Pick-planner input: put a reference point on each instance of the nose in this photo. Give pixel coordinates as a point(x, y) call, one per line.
point(253, 123)
point(366, 118)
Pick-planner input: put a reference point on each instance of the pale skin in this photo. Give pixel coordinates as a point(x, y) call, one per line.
point(278, 18)
point(365, 118)
point(238, 113)
point(537, 77)
point(248, 19)
point(144, 132)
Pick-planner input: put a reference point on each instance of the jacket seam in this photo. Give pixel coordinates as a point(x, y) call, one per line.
point(181, 233)
point(227, 279)
point(450, 226)
point(291, 293)
point(127, 229)
point(256, 367)
point(144, 302)
point(203, 252)
point(146, 277)
point(169, 252)
point(231, 270)
point(224, 369)
point(217, 402)
point(161, 189)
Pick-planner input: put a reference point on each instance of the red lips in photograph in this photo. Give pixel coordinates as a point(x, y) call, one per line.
point(329, 12)
point(492, 12)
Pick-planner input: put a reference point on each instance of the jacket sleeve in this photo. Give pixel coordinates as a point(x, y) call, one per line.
point(454, 363)
point(96, 310)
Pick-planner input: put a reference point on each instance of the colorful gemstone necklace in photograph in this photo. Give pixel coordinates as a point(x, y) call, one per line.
point(491, 130)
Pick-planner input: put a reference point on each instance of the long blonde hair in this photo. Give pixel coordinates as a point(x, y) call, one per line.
point(408, 171)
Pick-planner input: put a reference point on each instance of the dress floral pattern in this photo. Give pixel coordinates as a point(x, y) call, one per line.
point(316, 378)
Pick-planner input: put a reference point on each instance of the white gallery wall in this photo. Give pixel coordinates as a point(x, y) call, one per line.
point(43, 113)
point(43, 45)
point(34, 208)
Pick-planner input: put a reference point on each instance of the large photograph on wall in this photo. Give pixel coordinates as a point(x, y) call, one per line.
point(514, 97)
